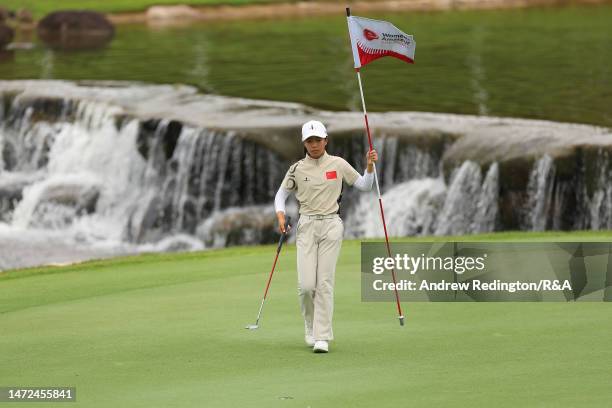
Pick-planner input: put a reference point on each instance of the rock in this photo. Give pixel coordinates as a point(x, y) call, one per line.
point(6, 35)
point(162, 135)
point(60, 203)
point(239, 226)
point(178, 12)
point(82, 197)
point(4, 14)
point(24, 16)
point(75, 30)
point(10, 195)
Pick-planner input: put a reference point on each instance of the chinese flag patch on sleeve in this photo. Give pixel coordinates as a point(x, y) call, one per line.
point(331, 175)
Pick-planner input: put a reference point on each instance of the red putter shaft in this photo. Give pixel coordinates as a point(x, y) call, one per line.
point(278, 249)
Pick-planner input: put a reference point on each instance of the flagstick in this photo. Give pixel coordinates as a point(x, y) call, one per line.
point(382, 212)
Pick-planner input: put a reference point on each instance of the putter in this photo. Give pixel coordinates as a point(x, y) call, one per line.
point(278, 249)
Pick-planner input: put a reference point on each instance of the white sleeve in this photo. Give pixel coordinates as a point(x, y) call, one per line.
point(280, 199)
point(364, 182)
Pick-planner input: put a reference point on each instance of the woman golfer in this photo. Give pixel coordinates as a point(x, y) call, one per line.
point(316, 181)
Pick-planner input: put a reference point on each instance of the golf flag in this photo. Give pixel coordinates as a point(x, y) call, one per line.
point(373, 39)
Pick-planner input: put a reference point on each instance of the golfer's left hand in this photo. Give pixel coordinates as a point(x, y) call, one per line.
point(372, 156)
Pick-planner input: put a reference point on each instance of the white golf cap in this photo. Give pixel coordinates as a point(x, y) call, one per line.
point(313, 128)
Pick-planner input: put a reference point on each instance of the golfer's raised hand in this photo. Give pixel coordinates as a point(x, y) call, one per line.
point(371, 156)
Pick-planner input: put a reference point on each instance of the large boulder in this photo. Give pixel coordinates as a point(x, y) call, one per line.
point(6, 35)
point(239, 226)
point(75, 29)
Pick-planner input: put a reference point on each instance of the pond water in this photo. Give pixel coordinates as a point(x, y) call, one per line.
point(552, 63)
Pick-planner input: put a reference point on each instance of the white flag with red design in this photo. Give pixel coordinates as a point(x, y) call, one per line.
point(373, 39)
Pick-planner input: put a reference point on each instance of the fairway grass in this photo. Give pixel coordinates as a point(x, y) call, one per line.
point(167, 330)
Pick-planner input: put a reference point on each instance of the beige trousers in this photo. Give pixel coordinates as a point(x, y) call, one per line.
point(318, 246)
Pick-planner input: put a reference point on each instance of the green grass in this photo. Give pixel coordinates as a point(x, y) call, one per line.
point(165, 330)
point(41, 7)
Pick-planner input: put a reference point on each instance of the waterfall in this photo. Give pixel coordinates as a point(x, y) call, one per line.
point(471, 205)
point(405, 161)
point(87, 172)
point(600, 204)
point(410, 209)
point(460, 205)
point(428, 206)
point(399, 160)
point(102, 179)
point(485, 217)
point(540, 193)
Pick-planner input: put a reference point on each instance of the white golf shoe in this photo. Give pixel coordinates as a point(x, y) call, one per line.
point(320, 346)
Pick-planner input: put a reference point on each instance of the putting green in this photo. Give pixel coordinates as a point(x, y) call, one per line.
point(168, 331)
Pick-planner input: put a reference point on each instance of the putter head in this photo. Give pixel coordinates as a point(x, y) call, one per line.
point(401, 319)
point(252, 327)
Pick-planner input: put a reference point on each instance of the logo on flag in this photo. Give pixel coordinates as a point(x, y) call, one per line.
point(373, 39)
point(370, 35)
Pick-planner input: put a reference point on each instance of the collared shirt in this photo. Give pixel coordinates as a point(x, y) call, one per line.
point(317, 183)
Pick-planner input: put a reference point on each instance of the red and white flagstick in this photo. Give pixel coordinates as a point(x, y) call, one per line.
point(380, 204)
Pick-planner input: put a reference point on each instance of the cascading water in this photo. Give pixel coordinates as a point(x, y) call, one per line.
point(410, 209)
point(459, 207)
point(98, 181)
point(109, 170)
point(600, 205)
point(584, 201)
point(540, 193)
point(485, 217)
point(425, 206)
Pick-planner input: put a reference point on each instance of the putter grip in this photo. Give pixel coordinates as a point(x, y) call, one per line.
point(287, 223)
point(284, 235)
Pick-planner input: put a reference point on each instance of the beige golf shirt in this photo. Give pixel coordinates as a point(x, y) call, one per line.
point(317, 183)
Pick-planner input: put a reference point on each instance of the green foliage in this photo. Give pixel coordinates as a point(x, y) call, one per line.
point(168, 330)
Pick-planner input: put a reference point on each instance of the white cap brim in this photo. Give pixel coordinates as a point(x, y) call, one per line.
point(323, 136)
